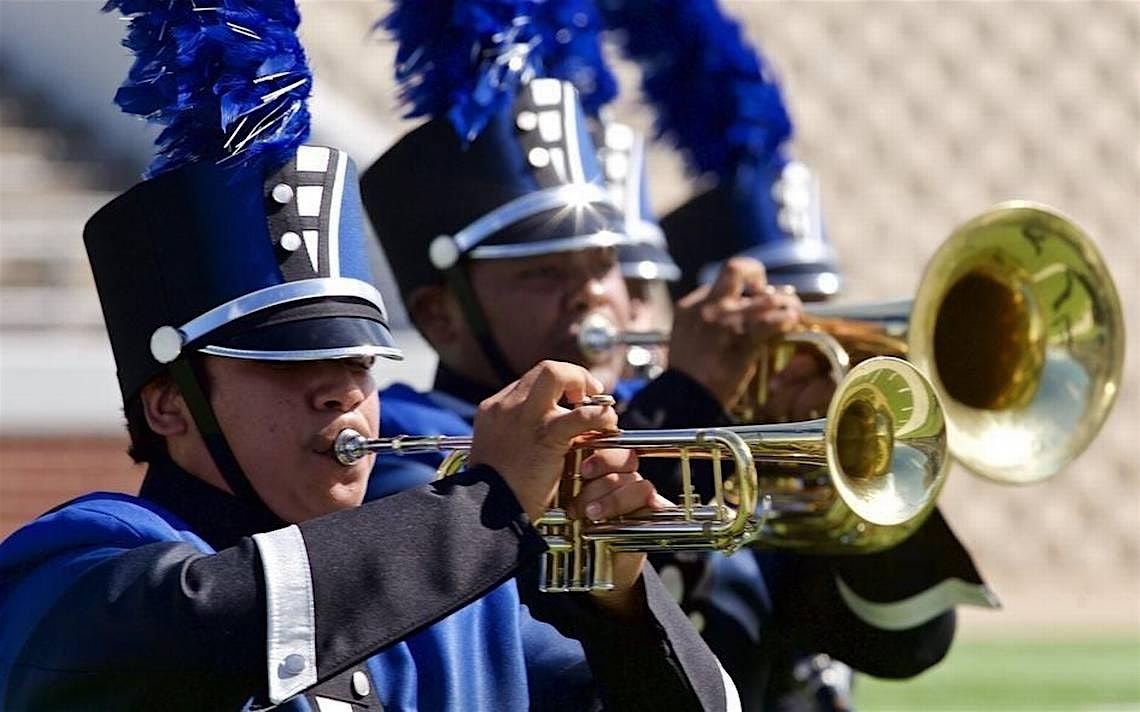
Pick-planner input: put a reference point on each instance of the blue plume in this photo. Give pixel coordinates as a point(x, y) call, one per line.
point(465, 59)
point(228, 80)
point(714, 96)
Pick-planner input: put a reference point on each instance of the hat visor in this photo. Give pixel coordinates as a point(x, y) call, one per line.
point(565, 229)
point(810, 267)
point(642, 260)
point(811, 285)
point(307, 339)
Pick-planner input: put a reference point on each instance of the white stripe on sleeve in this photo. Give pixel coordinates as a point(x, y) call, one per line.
point(731, 695)
point(290, 614)
point(919, 608)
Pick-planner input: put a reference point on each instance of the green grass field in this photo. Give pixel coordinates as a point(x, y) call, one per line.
point(1093, 676)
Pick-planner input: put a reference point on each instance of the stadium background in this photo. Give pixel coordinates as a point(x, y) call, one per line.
point(915, 115)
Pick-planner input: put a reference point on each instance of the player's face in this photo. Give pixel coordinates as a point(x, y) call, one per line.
point(535, 305)
point(280, 419)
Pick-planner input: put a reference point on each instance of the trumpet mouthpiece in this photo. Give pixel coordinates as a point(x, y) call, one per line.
point(348, 449)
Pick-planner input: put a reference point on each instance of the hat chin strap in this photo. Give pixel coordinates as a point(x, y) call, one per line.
point(189, 384)
point(460, 286)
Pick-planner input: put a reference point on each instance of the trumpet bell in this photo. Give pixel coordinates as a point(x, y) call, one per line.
point(1019, 326)
point(885, 454)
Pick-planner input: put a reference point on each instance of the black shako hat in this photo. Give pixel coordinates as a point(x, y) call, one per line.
point(717, 99)
point(528, 184)
point(243, 241)
point(772, 214)
point(621, 151)
point(265, 261)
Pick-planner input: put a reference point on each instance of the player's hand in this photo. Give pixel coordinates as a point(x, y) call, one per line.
point(611, 488)
point(801, 391)
point(524, 434)
point(720, 331)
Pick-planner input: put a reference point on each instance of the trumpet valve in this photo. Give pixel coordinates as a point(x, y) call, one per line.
point(601, 571)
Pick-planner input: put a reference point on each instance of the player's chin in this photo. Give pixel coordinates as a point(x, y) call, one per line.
point(341, 496)
point(345, 487)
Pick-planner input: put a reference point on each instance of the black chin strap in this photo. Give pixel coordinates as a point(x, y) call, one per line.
point(188, 383)
point(460, 286)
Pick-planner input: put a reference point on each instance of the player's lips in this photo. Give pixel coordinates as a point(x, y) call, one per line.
point(324, 441)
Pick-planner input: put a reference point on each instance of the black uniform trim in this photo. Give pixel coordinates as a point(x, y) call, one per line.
point(437, 549)
point(841, 633)
point(673, 667)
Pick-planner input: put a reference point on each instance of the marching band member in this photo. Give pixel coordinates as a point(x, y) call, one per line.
point(504, 267)
point(247, 574)
point(715, 100)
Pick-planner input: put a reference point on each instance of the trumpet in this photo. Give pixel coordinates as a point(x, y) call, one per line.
point(1019, 326)
point(881, 449)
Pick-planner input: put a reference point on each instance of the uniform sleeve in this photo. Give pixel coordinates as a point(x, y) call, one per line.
point(673, 400)
point(889, 614)
point(892, 613)
point(163, 626)
point(659, 662)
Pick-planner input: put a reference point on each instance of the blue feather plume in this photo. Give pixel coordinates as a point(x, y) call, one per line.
point(714, 96)
point(465, 59)
point(229, 79)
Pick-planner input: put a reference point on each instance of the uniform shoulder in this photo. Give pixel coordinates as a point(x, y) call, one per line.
point(94, 520)
point(404, 411)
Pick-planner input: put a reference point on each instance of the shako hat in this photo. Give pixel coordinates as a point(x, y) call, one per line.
point(717, 102)
point(241, 242)
point(621, 151)
point(770, 212)
point(528, 184)
point(505, 165)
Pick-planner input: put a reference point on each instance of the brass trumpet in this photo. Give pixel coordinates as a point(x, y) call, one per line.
point(882, 449)
point(1019, 326)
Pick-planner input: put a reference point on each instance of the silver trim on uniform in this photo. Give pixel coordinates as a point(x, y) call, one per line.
point(279, 295)
point(646, 232)
point(291, 619)
point(309, 199)
point(573, 153)
point(919, 608)
point(525, 206)
point(650, 270)
point(602, 238)
point(313, 159)
point(632, 185)
point(334, 213)
point(389, 352)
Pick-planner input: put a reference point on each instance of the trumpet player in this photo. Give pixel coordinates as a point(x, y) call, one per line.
point(715, 100)
point(247, 574)
point(501, 271)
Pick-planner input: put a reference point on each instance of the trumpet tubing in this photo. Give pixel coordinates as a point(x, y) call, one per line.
point(873, 469)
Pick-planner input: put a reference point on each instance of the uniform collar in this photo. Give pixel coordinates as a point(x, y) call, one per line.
point(461, 387)
point(218, 517)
